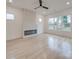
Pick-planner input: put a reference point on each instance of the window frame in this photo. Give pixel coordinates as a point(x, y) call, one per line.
point(62, 28)
point(10, 16)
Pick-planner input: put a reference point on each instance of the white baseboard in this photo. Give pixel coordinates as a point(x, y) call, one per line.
point(30, 35)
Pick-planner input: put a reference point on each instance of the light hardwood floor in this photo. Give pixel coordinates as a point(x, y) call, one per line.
point(43, 46)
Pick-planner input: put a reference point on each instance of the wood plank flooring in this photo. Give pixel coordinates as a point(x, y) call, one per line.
point(43, 46)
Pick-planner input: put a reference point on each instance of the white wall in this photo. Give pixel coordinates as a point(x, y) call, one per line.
point(14, 27)
point(40, 25)
point(31, 21)
point(24, 20)
point(60, 33)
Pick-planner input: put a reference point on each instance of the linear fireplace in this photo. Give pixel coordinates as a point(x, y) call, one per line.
point(30, 32)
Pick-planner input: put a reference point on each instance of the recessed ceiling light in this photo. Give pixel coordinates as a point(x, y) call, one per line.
point(10, 1)
point(67, 3)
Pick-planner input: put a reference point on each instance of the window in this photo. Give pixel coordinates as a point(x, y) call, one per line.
point(10, 16)
point(66, 23)
point(51, 23)
point(61, 23)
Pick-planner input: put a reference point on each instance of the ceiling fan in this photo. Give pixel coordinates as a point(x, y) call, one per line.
point(41, 5)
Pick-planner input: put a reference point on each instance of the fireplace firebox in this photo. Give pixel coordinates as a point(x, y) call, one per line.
point(30, 32)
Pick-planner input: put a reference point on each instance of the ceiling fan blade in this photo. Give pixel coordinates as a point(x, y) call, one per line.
point(45, 7)
point(40, 2)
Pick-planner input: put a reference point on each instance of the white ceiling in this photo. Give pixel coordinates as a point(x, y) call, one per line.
point(53, 5)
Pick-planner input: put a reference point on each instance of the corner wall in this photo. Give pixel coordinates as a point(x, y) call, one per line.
point(14, 27)
point(24, 20)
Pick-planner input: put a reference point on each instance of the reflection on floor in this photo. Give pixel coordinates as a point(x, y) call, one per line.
point(44, 46)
